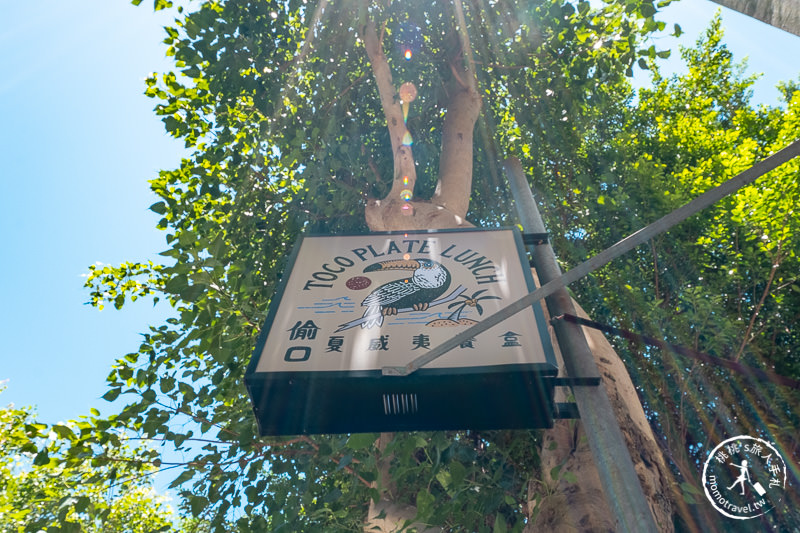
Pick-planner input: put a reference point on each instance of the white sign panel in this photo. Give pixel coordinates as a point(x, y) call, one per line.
point(360, 303)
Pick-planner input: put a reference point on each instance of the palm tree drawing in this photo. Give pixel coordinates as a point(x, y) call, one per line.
point(469, 301)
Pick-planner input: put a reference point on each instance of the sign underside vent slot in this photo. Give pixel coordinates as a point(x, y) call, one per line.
point(400, 404)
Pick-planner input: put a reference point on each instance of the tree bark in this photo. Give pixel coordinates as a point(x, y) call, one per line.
point(783, 14)
point(563, 506)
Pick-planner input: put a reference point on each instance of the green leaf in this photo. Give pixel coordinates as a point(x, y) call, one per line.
point(177, 284)
point(648, 9)
point(71, 527)
point(82, 503)
point(344, 461)
point(445, 479)
point(42, 458)
point(159, 207)
point(360, 441)
point(458, 472)
point(197, 504)
point(187, 238)
point(499, 524)
point(192, 292)
point(332, 496)
point(64, 507)
point(63, 432)
point(184, 476)
point(149, 396)
point(166, 384)
point(112, 394)
point(425, 501)
point(569, 477)
point(35, 430)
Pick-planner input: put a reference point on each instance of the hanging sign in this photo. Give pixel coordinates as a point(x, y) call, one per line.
point(351, 305)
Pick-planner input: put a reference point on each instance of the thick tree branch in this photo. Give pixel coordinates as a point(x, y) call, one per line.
point(392, 109)
point(455, 160)
point(463, 108)
point(404, 166)
point(466, 47)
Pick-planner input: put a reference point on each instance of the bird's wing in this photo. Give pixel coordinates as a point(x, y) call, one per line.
point(390, 292)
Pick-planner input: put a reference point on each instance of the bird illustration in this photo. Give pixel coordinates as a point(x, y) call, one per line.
point(429, 281)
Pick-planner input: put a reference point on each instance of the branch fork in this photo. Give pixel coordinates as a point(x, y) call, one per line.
point(449, 205)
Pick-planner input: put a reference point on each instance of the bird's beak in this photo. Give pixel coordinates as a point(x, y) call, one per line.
point(396, 264)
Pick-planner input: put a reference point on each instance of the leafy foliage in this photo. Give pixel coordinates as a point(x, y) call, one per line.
point(47, 485)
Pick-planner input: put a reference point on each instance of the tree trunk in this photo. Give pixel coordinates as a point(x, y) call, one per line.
point(783, 14)
point(560, 504)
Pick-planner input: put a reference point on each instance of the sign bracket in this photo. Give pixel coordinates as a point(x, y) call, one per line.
point(566, 411)
point(530, 239)
point(567, 381)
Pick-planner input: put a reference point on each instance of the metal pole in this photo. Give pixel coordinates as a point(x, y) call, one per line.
point(617, 474)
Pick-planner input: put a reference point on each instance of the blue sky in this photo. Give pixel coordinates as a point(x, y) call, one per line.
point(79, 142)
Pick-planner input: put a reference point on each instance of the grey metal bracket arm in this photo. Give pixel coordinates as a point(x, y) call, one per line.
point(566, 381)
point(564, 410)
point(532, 239)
